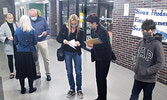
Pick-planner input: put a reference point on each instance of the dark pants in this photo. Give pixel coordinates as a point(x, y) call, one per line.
point(147, 89)
point(30, 82)
point(102, 68)
point(10, 62)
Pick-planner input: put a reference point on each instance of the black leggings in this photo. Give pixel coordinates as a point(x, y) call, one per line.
point(30, 82)
point(10, 63)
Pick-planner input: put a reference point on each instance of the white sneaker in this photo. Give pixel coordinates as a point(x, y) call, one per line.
point(80, 94)
point(70, 93)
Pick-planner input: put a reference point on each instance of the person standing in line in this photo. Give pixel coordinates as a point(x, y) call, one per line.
point(149, 60)
point(41, 30)
point(7, 30)
point(25, 39)
point(73, 31)
point(102, 54)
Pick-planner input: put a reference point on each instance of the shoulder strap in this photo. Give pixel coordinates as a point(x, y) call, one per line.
point(16, 24)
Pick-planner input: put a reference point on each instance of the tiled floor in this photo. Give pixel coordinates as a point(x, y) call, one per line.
point(120, 81)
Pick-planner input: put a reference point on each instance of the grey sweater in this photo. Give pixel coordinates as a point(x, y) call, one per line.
point(149, 59)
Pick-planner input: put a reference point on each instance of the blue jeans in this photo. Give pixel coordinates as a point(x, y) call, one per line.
point(147, 89)
point(69, 67)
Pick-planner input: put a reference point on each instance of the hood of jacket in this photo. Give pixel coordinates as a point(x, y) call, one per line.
point(156, 36)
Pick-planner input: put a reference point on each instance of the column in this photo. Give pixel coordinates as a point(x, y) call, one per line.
point(77, 8)
point(85, 15)
point(52, 17)
point(98, 7)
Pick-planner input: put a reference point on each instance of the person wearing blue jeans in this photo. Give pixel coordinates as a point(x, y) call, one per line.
point(69, 67)
point(147, 88)
point(71, 36)
point(149, 60)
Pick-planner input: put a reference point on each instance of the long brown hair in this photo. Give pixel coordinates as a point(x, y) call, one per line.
point(73, 17)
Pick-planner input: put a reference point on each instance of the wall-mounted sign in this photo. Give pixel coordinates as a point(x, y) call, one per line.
point(158, 15)
point(5, 11)
point(126, 9)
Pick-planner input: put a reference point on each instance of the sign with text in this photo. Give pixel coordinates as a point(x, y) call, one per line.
point(5, 11)
point(158, 15)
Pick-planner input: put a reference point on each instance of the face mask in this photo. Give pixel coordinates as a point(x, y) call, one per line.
point(74, 26)
point(147, 35)
point(10, 21)
point(34, 18)
point(90, 26)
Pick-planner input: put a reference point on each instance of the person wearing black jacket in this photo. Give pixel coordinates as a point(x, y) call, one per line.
point(73, 32)
point(102, 54)
point(149, 60)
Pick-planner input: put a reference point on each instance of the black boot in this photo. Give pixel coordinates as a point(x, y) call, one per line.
point(48, 78)
point(23, 90)
point(31, 90)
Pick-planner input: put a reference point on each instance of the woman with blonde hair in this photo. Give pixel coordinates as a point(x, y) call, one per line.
point(7, 30)
point(72, 32)
point(25, 40)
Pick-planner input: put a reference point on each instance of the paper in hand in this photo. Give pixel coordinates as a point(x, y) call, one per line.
point(72, 43)
point(40, 35)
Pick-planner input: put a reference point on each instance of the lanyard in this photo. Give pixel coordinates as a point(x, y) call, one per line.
point(94, 34)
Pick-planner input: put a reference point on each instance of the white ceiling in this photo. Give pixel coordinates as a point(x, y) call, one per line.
point(22, 2)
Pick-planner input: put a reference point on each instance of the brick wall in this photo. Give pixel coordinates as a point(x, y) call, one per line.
point(124, 44)
point(6, 4)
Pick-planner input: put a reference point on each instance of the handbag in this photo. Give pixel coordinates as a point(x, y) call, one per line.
point(93, 57)
point(60, 53)
point(34, 54)
point(113, 57)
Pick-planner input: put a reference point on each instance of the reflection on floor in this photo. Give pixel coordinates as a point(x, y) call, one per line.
point(120, 81)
